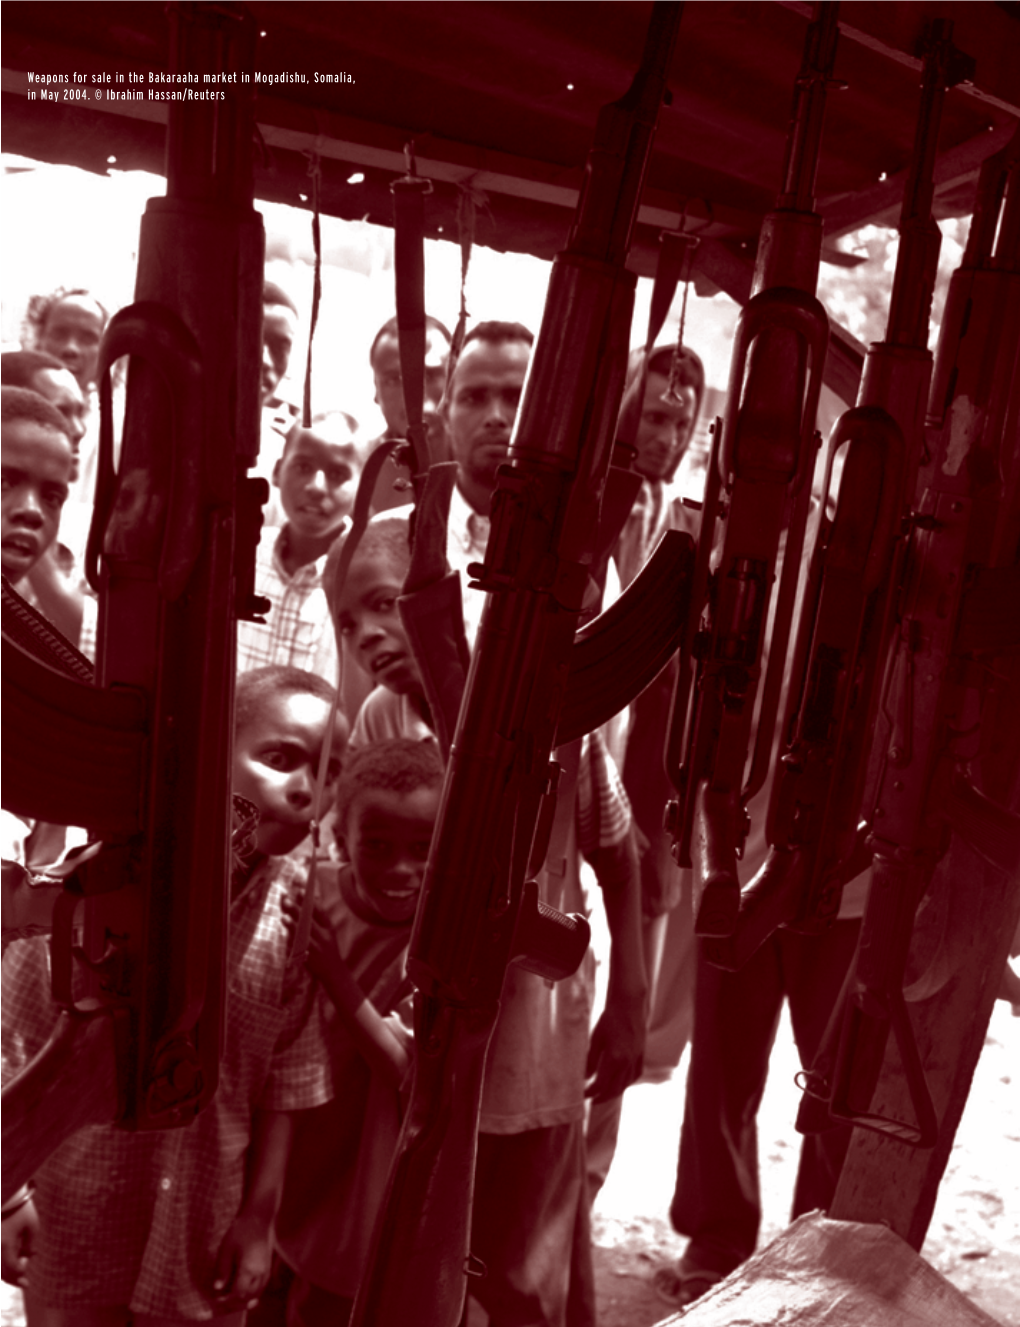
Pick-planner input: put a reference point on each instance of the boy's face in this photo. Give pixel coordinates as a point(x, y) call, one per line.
point(60, 388)
point(315, 479)
point(73, 330)
point(276, 761)
point(386, 840)
point(664, 429)
point(279, 326)
point(37, 464)
point(367, 618)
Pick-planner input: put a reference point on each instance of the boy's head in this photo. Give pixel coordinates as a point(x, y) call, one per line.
point(37, 465)
point(364, 609)
point(387, 800)
point(280, 718)
point(315, 476)
point(47, 376)
point(279, 328)
point(70, 326)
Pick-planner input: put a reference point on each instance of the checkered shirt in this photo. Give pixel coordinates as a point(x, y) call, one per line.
point(298, 630)
point(137, 1219)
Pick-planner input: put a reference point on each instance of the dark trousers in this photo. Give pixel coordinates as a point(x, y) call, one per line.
point(530, 1228)
point(717, 1200)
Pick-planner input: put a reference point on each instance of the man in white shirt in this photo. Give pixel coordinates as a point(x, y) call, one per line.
point(479, 411)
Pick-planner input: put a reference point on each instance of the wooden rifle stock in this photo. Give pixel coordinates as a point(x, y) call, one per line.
point(475, 915)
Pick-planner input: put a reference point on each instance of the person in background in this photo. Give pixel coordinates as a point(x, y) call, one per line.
point(174, 1226)
point(70, 325)
point(384, 357)
point(280, 322)
point(479, 411)
point(315, 478)
point(659, 424)
point(387, 799)
point(717, 1198)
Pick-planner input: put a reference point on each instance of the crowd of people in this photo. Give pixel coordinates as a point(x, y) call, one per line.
point(264, 1206)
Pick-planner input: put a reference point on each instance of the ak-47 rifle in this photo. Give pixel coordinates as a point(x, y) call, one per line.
point(478, 909)
point(142, 758)
point(846, 615)
point(758, 486)
point(958, 620)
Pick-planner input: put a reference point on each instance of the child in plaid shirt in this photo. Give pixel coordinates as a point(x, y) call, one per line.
point(172, 1227)
point(315, 477)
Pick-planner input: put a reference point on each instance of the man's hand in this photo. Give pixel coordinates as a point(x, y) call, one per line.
point(17, 1236)
point(244, 1263)
point(617, 1046)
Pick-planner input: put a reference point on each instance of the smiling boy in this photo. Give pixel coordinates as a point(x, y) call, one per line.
point(315, 477)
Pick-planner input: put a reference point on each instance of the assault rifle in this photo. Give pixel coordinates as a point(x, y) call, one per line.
point(478, 909)
point(758, 486)
point(846, 616)
point(142, 757)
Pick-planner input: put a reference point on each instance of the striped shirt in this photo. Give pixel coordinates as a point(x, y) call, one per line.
point(137, 1219)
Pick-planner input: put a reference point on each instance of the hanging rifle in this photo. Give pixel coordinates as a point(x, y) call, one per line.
point(155, 731)
point(960, 611)
point(476, 913)
point(818, 792)
point(759, 484)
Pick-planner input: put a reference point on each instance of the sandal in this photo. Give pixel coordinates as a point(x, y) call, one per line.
point(679, 1289)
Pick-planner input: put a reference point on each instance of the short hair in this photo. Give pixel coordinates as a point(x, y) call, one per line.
point(496, 333)
point(41, 306)
point(274, 294)
point(385, 535)
point(19, 367)
point(256, 687)
point(391, 328)
point(689, 368)
point(20, 403)
point(399, 765)
point(323, 430)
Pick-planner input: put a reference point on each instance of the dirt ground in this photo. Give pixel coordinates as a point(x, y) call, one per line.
point(974, 1238)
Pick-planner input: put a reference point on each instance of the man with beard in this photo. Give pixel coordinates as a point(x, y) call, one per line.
point(479, 412)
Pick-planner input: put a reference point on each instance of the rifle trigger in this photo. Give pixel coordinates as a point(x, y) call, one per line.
point(473, 1266)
